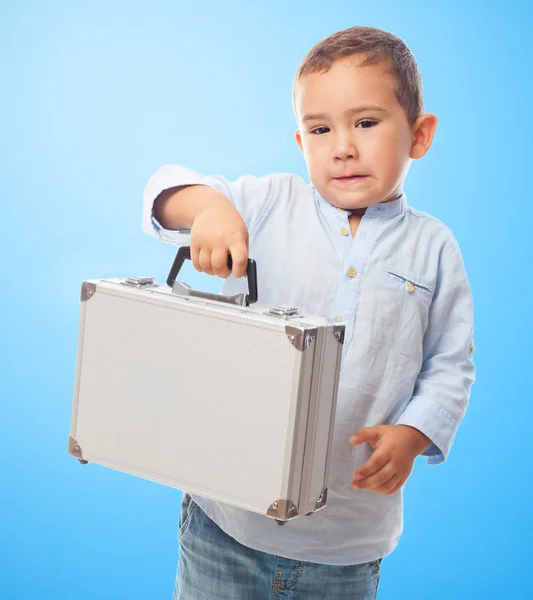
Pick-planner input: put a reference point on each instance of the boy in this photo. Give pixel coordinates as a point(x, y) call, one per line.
point(347, 247)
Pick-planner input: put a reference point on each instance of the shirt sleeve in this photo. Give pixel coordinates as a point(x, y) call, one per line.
point(442, 389)
point(250, 195)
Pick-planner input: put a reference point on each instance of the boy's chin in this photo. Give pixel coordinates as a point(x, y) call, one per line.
point(350, 201)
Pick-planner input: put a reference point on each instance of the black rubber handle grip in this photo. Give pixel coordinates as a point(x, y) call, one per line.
point(184, 253)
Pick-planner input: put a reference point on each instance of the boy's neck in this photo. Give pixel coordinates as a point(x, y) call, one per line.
point(356, 214)
point(355, 219)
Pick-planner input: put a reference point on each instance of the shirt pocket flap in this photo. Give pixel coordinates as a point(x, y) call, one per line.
point(412, 284)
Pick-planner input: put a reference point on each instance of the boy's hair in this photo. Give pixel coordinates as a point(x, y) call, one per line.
point(378, 47)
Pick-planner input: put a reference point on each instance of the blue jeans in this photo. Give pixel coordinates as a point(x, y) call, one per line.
point(214, 566)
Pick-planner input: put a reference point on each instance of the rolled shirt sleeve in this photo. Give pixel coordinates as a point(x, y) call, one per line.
point(249, 195)
point(442, 389)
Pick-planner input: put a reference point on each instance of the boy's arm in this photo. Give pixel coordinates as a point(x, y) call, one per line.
point(250, 195)
point(442, 389)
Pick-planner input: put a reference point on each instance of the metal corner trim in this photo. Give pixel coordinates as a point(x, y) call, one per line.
point(322, 499)
point(338, 332)
point(87, 290)
point(301, 338)
point(74, 448)
point(282, 510)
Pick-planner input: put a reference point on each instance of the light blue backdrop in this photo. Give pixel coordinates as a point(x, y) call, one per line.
point(95, 96)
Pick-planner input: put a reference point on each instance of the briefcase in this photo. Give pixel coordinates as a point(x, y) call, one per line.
point(216, 395)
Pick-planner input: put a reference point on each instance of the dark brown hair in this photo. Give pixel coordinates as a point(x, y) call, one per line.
point(378, 47)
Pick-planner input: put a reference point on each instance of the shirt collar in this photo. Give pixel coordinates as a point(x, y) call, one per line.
point(393, 208)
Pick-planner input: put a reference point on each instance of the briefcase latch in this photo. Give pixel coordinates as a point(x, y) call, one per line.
point(139, 282)
point(283, 311)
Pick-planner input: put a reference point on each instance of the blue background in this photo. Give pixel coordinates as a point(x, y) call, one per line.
point(95, 97)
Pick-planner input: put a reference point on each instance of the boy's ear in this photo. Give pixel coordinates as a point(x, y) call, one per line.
point(298, 138)
point(424, 130)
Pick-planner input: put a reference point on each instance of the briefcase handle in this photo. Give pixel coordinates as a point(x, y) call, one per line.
point(184, 253)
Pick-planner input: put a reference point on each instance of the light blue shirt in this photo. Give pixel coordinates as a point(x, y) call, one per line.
point(401, 289)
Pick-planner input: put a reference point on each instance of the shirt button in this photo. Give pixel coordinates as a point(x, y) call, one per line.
point(343, 231)
point(410, 287)
point(352, 272)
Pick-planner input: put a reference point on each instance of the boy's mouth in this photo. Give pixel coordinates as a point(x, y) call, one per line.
point(351, 178)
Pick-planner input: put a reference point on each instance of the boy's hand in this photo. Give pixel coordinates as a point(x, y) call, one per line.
point(391, 463)
point(217, 231)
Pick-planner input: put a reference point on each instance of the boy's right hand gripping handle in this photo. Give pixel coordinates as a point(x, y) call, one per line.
point(184, 253)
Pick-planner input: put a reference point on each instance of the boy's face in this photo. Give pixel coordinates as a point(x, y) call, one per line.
point(354, 134)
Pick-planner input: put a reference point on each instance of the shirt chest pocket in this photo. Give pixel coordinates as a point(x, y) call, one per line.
point(412, 285)
point(399, 307)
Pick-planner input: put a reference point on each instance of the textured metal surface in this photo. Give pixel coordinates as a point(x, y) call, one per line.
point(186, 398)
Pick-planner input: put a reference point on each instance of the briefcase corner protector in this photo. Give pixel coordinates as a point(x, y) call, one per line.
point(283, 510)
point(88, 290)
point(339, 331)
point(301, 338)
point(74, 449)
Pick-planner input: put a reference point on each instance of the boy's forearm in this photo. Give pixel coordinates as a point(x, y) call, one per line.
point(176, 208)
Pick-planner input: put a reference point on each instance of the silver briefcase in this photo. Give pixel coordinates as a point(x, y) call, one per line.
point(215, 395)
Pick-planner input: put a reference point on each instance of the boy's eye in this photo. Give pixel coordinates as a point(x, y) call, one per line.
point(320, 130)
point(366, 123)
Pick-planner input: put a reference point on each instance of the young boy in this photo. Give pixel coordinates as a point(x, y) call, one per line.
point(347, 247)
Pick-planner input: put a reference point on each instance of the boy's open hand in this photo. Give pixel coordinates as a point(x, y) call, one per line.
point(391, 463)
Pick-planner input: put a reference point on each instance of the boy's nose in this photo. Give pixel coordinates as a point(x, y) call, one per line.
point(345, 148)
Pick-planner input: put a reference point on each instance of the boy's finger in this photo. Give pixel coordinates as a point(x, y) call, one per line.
point(366, 434)
point(375, 480)
point(239, 257)
point(195, 256)
point(376, 462)
point(219, 262)
point(205, 261)
point(389, 487)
